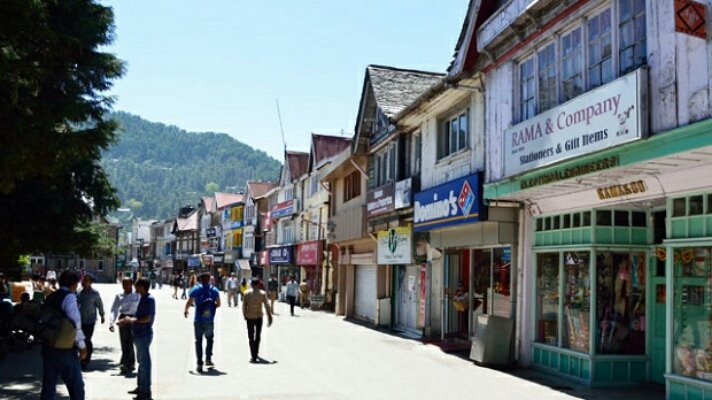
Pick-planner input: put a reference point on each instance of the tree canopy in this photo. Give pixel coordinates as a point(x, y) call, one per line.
point(53, 102)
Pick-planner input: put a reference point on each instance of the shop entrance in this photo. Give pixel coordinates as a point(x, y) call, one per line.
point(408, 278)
point(659, 296)
point(457, 272)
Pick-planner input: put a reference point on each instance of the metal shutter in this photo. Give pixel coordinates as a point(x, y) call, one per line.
point(365, 294)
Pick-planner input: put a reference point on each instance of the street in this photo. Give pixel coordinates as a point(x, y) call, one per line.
point(313, 355)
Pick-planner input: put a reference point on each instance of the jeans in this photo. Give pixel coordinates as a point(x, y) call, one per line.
point(291, 300)
point(254, 333)
point(88, 330)
point(65, 364)
point(143, 344)
point(128, 358)
point(203, 329)
point(232, 297)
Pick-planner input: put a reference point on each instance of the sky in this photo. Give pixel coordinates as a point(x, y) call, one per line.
point(221, 65)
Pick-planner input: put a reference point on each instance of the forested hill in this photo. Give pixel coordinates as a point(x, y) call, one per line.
point(157, 168)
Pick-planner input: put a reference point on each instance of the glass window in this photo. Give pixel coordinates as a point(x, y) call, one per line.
point(539, 225)
point(571, 76)
point(639, 219)
point(547, 298)
point(622, 218)
point(527, 90)
point(418, 153)
point(556, 220)
point(586, 218)
point(546, 60)
point(454, 135)
point(603, 217)
point(620, 303)
point(709, 204)
point(678, 207)
point(501, 274)
point(695, 205)
point(567, 221)
point(463, 139)
point(577, 220)
point(600, 50)
point(481, 280)
point(692, 337)
point(632, 36)
point(547, 223)
point(577, 302)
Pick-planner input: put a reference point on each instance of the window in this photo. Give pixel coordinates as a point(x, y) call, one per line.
point(571, 76)
point(547, 298)
point(352, 186)
point(453, 134)
point(632, 38)
point(600, 50)
point(383, 167)
point(287, 233)
point(313, 185)
point(577, 301)
point(527, 101)
point(417, 144)
point(546, 59)
point(100, 266)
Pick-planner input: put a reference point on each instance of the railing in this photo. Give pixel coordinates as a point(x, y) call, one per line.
point(349, 223)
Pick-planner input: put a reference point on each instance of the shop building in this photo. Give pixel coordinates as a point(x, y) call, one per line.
point(391, 182)
point(187, 233)
point(252, 242)
point(605, 142)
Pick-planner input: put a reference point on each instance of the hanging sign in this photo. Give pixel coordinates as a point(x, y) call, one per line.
point(395, 246)
point(452, 203)
point(690, 18)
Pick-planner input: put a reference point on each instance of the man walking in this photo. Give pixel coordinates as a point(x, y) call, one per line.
point(304, 290)
point(142, 330)
point(125, 304)
point(231, 286)
point(292, 293)
point(89, 302)
point(64, 363)
point(272, 290)
point(184, 284)
point(206, 299)
point(252, 311)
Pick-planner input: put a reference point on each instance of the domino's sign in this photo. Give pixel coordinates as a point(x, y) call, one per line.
point(452, 203)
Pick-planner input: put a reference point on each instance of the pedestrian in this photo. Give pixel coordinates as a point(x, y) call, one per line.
point(142, 331)
point(89, 302)
point(125, 304)
point(184, 284)
point(177, 282)
point(206, 299)
point(51, 286)
point(231, 285)
point(272, 290)
point(5, 291)
point(193, 280)
point(252, 304)
point(292, 293)
point(244, 286)
point(304, 291)
point(152, 278)
point(160, 279)
point(64, 363)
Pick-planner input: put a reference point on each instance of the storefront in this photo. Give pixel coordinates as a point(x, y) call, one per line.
point(282, 258)
point(309, 260)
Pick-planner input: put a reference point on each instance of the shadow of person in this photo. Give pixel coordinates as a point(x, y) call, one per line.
point(261, 360)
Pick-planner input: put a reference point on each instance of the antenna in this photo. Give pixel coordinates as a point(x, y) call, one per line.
point(281, 128)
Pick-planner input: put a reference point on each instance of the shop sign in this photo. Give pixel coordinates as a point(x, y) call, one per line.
point(395, 246)
point(193, 261)
point(167, 264)
point(218, 258)
point(266, 221)
point(308, 253)
point(626, 189)
point(207, 259)
point(229, 257)
point(605, 117)
point(282, 209)
point(421, 305)
point(211, 232)
point(264, 258)
point(403, 193)
point(571, 172)
point(380, 200)
point(452, 203)
point(690, 18)
point(280, 255)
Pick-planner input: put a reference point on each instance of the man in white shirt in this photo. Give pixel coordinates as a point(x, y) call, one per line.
point(65, 363)
point(125, 304)
point(231, 285)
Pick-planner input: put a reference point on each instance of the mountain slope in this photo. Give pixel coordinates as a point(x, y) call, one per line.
point(157, 168)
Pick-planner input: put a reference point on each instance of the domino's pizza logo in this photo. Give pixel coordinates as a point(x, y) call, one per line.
point(466, 199)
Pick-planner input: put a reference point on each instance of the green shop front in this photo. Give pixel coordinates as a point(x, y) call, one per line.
point(617, 250)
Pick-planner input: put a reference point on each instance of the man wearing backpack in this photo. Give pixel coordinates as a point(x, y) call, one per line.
point(64, 363)
point(206, 299)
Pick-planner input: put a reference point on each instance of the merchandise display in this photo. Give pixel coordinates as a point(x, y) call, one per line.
point(577, 301)
point(547, 298)
point(692, 355)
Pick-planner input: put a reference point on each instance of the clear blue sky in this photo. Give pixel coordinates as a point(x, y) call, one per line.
point(219, 65)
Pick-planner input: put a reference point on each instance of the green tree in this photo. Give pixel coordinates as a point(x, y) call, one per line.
point(53, 102)
point(212, 187)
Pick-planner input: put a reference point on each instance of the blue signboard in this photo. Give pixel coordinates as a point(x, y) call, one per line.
point(282, 209)
point(280, 255)
point(452, 203)
point(193, 261)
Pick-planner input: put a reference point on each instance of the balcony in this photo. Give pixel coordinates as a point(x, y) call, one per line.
point(348, 224)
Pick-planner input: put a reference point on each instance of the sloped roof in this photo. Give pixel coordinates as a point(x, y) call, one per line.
point(225, 199)
point(258, 189)
point(189, 223)
point(208, 202)
point(395, 88)
point(324, 147)
point(298, 163)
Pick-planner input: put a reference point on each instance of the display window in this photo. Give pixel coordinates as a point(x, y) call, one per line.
point(692, 337)
point(577, 301)
point(620, 303)
point(547, 298)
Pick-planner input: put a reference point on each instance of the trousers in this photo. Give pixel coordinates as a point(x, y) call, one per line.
point(61, 363)
point(203, 329)
point(254, 334)
point(128, 358)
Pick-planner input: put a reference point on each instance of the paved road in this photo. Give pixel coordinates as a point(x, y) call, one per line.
point(314, 356)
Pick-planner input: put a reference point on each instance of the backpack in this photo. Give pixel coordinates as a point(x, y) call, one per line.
point(47, 322)
point(204, 302)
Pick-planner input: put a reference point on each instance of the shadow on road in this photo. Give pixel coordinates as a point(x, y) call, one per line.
point(102, 364)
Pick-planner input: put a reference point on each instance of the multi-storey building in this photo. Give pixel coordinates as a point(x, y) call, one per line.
point(256, 205)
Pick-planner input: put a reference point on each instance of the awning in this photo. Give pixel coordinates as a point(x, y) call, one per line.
point(244, 264)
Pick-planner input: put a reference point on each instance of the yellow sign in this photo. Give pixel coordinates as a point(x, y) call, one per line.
point(613, 191)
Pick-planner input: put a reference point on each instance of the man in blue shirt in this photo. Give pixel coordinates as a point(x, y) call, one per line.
point(142, 330)
point(206, 299)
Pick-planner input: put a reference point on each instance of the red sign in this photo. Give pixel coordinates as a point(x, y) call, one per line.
point(264, 258)
point(421, 308)
point(690, 18)
point(308, 253)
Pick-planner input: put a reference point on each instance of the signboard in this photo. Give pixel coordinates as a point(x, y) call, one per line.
point(452, 203)
point(690, 18)
point(380, 200)
point(403, 193)
point(207, 259)
point(422, 297)
point(395, 246)
point(280, 255)
point(282, 209)
point(605, 117)
point(308, 253)
point(264, 258)
point(193, 261)
point(211, 232)
point(266, 221)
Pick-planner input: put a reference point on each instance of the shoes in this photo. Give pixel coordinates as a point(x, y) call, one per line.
point(253, 360)
point(135, 391)
point(200, 368)
point(209, 363)
point(143, 396)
